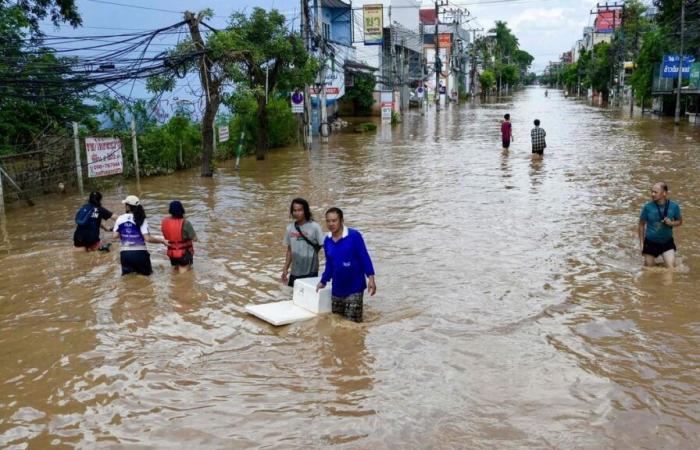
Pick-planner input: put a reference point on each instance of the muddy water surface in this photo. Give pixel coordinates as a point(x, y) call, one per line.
point(511, 313)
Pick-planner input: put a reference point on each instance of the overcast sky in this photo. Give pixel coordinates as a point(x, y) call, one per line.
point(545, 28)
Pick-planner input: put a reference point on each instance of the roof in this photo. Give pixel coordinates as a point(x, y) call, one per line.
point(335, 4)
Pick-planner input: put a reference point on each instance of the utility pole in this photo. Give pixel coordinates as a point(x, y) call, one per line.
point(421, 30)
point(78, 165)
point(437, 57)
point(677, 118)
point(306, 122)
point(321, 95)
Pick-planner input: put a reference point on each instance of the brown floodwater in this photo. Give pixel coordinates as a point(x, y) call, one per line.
point(512, 311)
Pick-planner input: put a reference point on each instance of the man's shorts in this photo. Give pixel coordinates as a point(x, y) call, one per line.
point(538, 151)
point(349, 307)
point(506, 143)
point(655, 249)
point(292, 278)
point(186, 260)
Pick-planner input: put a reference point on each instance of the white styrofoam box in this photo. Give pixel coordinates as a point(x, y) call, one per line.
point(305, 295)
point(280, 313)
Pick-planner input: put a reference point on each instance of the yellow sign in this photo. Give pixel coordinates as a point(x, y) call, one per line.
point(374, 24)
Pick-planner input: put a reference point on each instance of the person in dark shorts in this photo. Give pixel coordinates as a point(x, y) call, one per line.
point(506, 131)
point(303, 238)
point(131, 229)
point(538, 139)
point(88, 223)
point(656, 223)
point(349, 266)
point(180, 235)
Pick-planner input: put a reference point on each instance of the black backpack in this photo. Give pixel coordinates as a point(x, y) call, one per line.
point(82, 217)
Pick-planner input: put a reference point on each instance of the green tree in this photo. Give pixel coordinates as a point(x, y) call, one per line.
point(599, 69)
point(59, 11)
point(487, 79)
point(34, 99)
point(266, 54)
point(252, 52)
point(652, 50)
point(361, 94)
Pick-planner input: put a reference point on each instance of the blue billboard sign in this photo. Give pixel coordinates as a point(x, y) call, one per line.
point(669, 67)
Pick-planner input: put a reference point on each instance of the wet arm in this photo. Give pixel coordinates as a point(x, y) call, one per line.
point(328, 272)
point(287, 262)
point(641, 230)
point(364, 257)
point(154, 240)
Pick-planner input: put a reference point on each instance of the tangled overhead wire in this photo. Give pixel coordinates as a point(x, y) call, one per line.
point(30, 69)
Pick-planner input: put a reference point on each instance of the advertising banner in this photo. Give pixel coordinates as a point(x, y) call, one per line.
point(607, 21)
point(104, 156)
point(374, 24)
point(669, 67)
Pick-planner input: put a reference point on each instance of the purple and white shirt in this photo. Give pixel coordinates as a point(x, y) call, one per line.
point(131, 235)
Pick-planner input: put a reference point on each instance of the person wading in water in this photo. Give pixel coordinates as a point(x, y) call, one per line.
point(180, 234)
point(347, 264)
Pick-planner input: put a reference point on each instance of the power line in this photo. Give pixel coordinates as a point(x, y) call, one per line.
point(125, 5)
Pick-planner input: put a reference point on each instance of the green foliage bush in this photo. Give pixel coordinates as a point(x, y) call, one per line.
point(282, 125)
point(361, 94)
point(487, 79)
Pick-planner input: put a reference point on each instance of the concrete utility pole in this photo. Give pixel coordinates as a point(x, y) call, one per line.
point(321, 95)
point(615, 7)
point(677, 117)
point(306, 121)
point(78, 165)
point(437, 56)
point(135, 149)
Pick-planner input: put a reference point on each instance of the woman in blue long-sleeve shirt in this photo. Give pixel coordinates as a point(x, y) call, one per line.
point(347, 264)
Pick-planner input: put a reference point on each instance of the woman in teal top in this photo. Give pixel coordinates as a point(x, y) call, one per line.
point(656, 223)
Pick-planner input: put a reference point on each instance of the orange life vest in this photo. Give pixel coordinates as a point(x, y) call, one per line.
point(172, 232)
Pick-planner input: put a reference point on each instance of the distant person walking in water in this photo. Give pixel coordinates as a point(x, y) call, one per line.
point(347, 264)
point(546, 93)
point(506, 131)
point(131, 229)
point(181, 236)
point(656, 223)
point(538, 139)
point(303, 238)
point(88, 222)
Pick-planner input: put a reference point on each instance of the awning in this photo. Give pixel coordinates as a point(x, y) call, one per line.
point(358, 67)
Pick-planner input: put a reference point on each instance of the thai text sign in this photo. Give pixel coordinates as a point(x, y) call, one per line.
point(374, 24)
point(695, 75)
point(223, 133)
point(104, 156)
point(669, 68)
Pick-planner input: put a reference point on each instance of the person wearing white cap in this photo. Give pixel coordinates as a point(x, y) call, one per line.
point(131, 229)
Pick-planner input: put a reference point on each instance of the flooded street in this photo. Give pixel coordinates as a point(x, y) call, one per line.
point(512, 311)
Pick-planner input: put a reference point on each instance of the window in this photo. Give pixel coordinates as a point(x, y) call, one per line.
point(326, 31)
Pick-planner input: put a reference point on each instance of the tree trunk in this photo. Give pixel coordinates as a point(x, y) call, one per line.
point(263, 143)
point(208, 139)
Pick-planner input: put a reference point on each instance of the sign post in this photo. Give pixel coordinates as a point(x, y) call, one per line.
point(297, 99)
point(104, 156)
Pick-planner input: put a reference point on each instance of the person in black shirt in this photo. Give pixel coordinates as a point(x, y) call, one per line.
point(87, 236)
